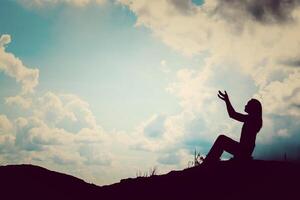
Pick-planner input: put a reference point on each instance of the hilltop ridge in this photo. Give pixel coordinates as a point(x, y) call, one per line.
point(255, 179)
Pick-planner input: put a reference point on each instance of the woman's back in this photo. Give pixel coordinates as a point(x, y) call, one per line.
point(250, 128)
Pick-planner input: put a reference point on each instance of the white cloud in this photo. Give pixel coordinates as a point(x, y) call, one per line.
point(155, 128)
point(19, 100)
point(80, 109)
point(5, 125)
point(172, 158)
point(56, 127)
point(4, 40)
point(7, 142)
point(51, 108)
point(14, 67)
point(93, 155)
point(247, 54)
point(192, 88)
point(46, 126)
point(77, 3)
point(62, 156)
point(43, 138)
point(159, 133)
point(33, 134)
point(283, 133)
point(282, 97)
point(254, 47)
point(65, 110)
point(7, 137)
point(63, 129)
point(164, 67)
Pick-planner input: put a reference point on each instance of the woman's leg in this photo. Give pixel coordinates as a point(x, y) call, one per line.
point(223, 143)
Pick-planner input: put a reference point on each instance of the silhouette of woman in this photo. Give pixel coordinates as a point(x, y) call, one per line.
point(252, 124)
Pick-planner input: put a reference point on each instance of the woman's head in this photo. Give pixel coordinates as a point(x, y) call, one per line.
point(254, 108)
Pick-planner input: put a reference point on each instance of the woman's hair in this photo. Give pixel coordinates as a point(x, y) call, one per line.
point(255, 110)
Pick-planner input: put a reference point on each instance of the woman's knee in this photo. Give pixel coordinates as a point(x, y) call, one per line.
point(224, 140)
point(221, 137)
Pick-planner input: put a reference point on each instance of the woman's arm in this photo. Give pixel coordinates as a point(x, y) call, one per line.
point(231, 112)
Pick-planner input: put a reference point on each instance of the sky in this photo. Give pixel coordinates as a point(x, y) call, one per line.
point(106, 89)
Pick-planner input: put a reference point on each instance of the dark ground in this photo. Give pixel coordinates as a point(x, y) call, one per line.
point(225, 180)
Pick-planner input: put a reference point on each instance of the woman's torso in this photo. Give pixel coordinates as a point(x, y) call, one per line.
point(249, 131)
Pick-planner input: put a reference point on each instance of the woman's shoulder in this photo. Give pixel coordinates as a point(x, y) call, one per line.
point(252, 120)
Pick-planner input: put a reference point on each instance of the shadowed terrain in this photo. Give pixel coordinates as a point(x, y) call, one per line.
point(224, 180)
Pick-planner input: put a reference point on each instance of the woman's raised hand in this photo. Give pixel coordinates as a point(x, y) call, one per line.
point(223, 96)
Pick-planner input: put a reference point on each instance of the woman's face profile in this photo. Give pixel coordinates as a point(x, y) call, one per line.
point(247, 107)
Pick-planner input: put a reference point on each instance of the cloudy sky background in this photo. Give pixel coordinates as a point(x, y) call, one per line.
point(104, 89)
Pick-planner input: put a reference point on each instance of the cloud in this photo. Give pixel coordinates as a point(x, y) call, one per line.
point(65, 159)
point(176, 159)
point(80, 109)
point(7, 142)
point(250, 46)
point(155, 128)
point(14, 67)
point(282, 138)
point(185, 7)
point(19, 100)
point(90, 136)
point(58, 145)
point(42, 136)
point(7, 138)
point(54, 128)
point(67, 111)
point(243, 45)
point(34, 135)
point(263, 11)
point(192, 88)
point(169, 159)
point(293, 62)
point(4, 40)
point(164, 67)
point(44, 3)
point(160, 133)
point(280, 96)
point(35, 140)
point(47, 126)
point(93, 155)
point(51, 109)
point(5, 125)
point(283, 133)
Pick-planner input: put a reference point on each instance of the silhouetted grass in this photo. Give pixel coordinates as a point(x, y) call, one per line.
point(152, 171)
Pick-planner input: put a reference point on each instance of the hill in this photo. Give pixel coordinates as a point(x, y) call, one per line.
point(33, 182)
point(224, 180)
